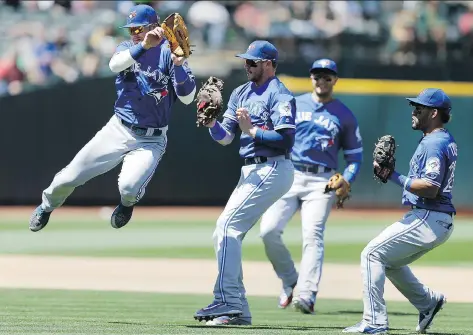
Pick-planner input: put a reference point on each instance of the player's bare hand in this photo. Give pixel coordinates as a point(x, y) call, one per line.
point(153, 38)
point(178, 61)
point(244, 120)
point(211, 124)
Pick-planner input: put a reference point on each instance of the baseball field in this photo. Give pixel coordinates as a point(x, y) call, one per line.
point(80, 276)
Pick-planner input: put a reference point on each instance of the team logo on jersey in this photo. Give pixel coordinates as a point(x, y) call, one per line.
point(432, 167)
point(284, 108)
point(158, 95)
point(327, 132)
point(258, 109)
point(151, 82)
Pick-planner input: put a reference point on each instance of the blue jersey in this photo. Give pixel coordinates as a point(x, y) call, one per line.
point(322, 130)
point(145, 91)
point(271, 107)
point(434, 160)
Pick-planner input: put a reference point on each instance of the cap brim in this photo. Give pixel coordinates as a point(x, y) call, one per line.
point(247, 56)
point(322, 69)
point(133, 25)
point(417, 101)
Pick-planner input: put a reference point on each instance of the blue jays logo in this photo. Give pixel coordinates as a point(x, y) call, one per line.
point(326, 132)
point(158, 94)
point(151, 82)
point(251, 47)
point(324, 62)
point(132, 15)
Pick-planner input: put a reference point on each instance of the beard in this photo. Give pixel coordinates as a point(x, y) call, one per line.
point(254, 75)
point(415, 123)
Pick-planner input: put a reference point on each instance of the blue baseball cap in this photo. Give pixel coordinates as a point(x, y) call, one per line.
point(260, 50)
point(432, 97)
point(141, 15)
point(324, 64)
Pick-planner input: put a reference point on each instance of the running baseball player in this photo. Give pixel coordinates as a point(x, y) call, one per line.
point(264, 110)
point(427, 190)
point(149, 80)
point(324, 126)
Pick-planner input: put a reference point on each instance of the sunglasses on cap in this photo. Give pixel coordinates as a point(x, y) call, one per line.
point(253, 63)
point(137, 30)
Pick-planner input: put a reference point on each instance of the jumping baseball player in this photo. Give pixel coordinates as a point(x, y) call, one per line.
point(324, 126)
point(264, 110)
point(427, 190)
point(149, 80)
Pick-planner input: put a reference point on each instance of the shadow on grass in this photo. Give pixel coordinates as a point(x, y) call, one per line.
point(268, 327)
point(361, 313)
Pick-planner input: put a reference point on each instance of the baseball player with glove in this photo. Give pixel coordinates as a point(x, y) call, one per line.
point(324, 126)
point(264, 110)
point(427, 191)
point(152, 73)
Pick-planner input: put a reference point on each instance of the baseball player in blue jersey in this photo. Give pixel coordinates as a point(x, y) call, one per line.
point(427, 190)
point(264, 110)
point(324, 126)
point(149, 81)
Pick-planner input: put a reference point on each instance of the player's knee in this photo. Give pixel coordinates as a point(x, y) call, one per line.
point(369, 253)
point(270, 235)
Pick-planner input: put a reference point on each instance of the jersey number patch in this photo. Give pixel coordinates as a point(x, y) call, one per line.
point(451, 171)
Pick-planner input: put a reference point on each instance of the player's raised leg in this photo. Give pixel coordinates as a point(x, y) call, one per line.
point(315, 209)
point(137, 170)
point(101, 154)
point(260, 186)
point(273, 223)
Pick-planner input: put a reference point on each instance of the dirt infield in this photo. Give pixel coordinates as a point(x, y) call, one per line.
point(197, 277)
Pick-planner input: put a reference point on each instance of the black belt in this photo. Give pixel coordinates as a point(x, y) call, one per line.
point(417, 207)
point(140, 131)
point(312, 168)
point(260, 159)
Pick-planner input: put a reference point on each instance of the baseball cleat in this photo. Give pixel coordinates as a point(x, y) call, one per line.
point(285, 298)
point(304, 306)
point(215, 310)
point(364, 328)
point(229, 321)
point(121, 216)
point(425, 320)
point(39, 219)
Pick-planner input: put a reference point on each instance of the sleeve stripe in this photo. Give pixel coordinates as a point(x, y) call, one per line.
point(283, 126)
point(353, 151)
point(231, 117)
point(433, 182)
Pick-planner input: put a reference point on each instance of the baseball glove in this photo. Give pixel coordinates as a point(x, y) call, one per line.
point(341, 187)
point(176, 33)
point(209, 101)
point(383, 154)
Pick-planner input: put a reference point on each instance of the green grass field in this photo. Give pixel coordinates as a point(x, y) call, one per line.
point(93, 236)
point(45, 312)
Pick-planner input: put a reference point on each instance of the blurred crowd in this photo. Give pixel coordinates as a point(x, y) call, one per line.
point(46, 42)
